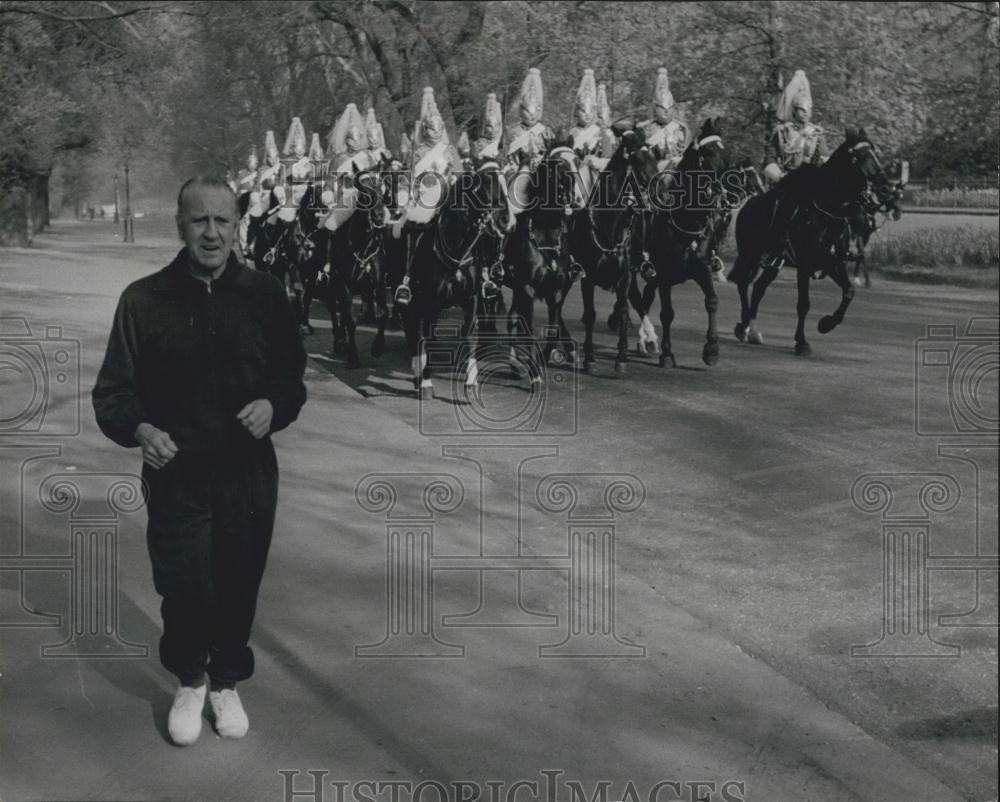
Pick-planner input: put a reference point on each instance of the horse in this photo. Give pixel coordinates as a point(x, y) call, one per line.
point(738, 184)
point(601, 237)
point(352, 263)
point(270, 246)
point(688, 204)
point(541, 267)
point(805, 220)
point(446, 268)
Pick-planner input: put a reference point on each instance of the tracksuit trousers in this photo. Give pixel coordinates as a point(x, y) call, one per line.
point(210, 524)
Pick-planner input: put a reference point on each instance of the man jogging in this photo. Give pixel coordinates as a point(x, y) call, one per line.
point(203, 363)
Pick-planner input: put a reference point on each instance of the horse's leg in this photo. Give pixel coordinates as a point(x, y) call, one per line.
point(802, 308)
point(381, 315)
point(347, 317)
point(522, 312)
point(621, 309)
point(702, 275)
point(421, 365)
point(589, 318)
point(741, 277)
point(638, 301)
point(470, 336)
point(828, 323)
point(569, 344)
point(768, 274)
point(666, 321)
point(648, 295)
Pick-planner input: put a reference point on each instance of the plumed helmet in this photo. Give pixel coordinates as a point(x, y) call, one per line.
point(374, 132)
point(462, 146)
point(348, 134)
point(586, 100)
point(315, 149)
point(532, 98)
point(295, 142)
point(405, 147)
point(492, 126)
point(795, 95)
point(271, 155)
point(603, 107)
point(663, 100)
point(431, 126)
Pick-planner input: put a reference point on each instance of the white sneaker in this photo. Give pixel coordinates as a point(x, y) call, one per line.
point(184, 721)
point(230, 719)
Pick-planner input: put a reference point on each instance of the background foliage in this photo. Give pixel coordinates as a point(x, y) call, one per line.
point(179, 87)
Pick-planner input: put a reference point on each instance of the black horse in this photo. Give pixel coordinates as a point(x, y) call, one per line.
point(688, 205)
point(806, 221)
point(272, 249)
point(601, 236)
point(446, 261)
point(351, 263)
point(541, 267)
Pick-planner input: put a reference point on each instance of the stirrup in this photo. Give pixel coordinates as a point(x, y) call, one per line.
point(322, 279)
point(490, 290)
point(647, 271)
point(403, 295)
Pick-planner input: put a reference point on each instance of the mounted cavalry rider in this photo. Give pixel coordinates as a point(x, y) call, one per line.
point(265, 178)
point(529, 140)
point(796, 140)
point(349, 150)
point(433, 161)
point(300, 169)
point(667, 134)
point(486, 147)
point(585, 136)
point(377, 149)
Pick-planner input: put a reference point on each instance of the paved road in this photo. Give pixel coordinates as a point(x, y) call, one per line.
point(741, 582)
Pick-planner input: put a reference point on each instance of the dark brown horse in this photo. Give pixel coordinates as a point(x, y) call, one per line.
point(805, 221)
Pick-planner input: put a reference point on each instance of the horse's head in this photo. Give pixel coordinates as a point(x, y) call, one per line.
point(488, 194)
point(371, 196)
point(556, 186)
point(857, 167)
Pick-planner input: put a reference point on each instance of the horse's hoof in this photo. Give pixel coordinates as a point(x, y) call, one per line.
point(378, 348)
point(613, 322)
point(667, 357)
point(640, 349)
point(857, 281)
point(620, 366)
point(425, 393)
point(741, 332)
point(339, 347)
point(588, 364)
point(802, 348)
point(826, 324)
point(305, 329)
point(710, 354)
point(754, 337)
point(354, 362)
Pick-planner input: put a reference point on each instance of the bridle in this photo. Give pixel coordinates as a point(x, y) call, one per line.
point(485, 225)
point(718, 202)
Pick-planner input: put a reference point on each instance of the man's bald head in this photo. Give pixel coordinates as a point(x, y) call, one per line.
point(202, 182)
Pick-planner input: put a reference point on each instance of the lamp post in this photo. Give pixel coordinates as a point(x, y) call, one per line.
point(129, 233)
point(116, 197)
